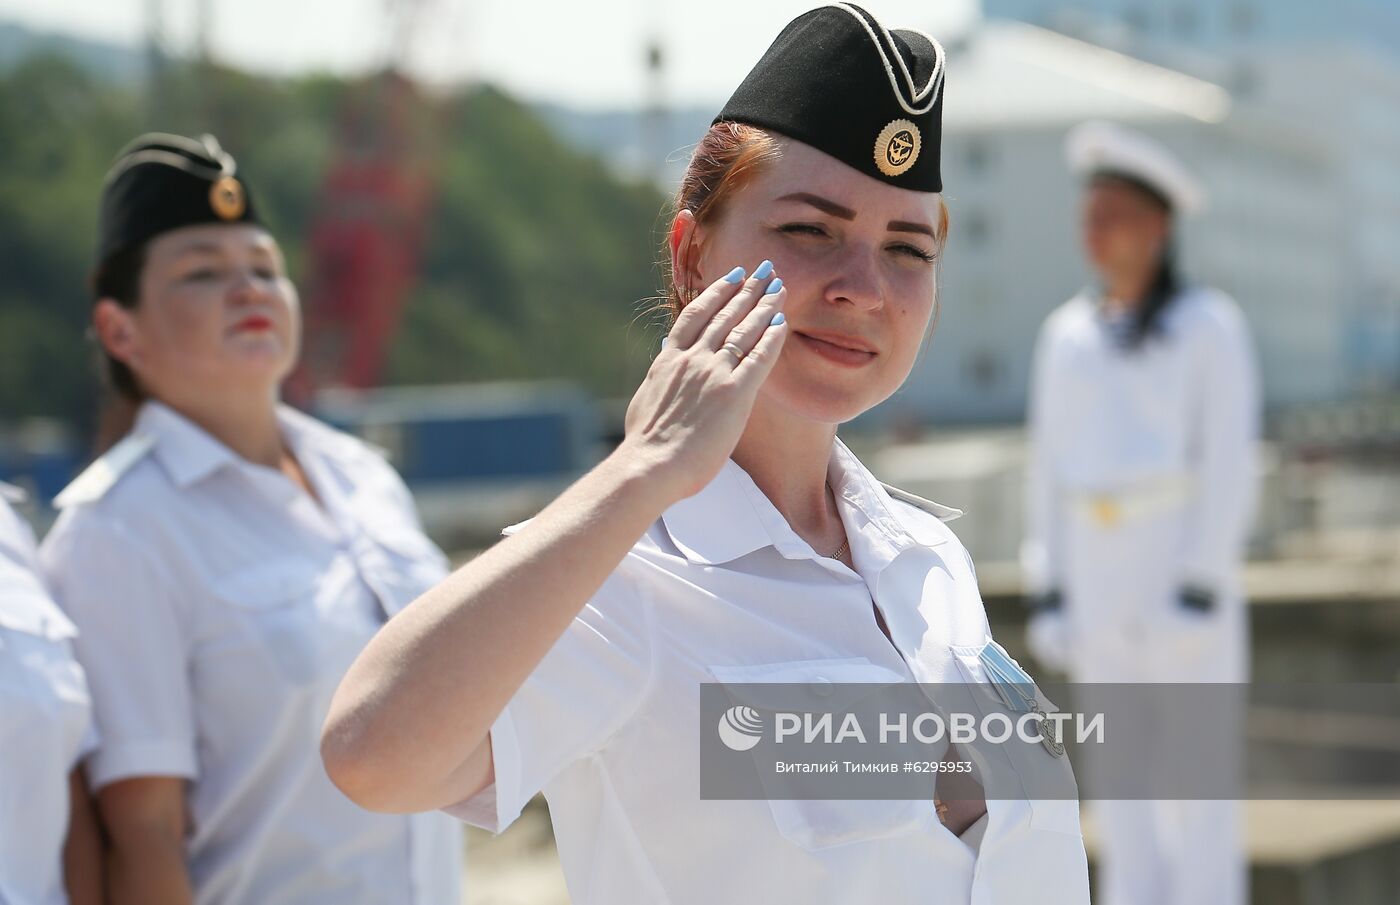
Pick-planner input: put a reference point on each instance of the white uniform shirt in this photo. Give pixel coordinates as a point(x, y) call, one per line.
point(219, 607)
point(1103, 419)
point(45, 723)
point(721, 589)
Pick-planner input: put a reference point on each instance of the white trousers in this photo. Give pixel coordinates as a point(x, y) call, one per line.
point(1125, 625)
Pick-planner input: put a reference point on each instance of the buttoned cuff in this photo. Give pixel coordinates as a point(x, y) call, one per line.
point(114, 762)
point(498, 805)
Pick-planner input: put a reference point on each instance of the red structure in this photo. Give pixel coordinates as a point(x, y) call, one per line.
point(366, 237)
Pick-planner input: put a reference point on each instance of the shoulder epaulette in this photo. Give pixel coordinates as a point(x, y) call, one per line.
point(941, 512)
point(103, 474)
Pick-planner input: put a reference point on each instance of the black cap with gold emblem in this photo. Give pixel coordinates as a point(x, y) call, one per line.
point(838, 80)
point(162, 182)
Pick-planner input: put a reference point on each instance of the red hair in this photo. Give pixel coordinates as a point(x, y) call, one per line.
point(726, 159)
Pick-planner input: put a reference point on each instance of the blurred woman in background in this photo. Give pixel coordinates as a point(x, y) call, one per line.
point(1143, 423)
point(50, 846)
point(224, 563)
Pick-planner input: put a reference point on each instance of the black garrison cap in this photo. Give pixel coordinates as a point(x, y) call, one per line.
point(162, 182)
point(838, 80)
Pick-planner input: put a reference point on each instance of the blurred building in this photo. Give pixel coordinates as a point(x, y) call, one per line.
point(1215, 24)
point(1350, 97)
point(1271, 236)
point(1333, 68)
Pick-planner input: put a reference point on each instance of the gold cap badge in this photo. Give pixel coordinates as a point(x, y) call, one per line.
point(897, 147)
point(227, 199)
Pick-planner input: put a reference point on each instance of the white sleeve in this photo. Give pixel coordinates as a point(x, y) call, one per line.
point(1041, 553)
point(133, 643)
point(582, 692)
point(1224, 447)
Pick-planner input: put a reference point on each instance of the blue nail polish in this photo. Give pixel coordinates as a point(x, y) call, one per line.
point(735, 276)
point(774, 286)
point(777, 319)
point(764, 271)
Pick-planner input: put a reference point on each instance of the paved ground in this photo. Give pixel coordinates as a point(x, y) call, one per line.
point(520, 866)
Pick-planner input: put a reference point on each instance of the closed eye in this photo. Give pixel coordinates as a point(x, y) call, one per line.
point(913, 251)
point(802, 229)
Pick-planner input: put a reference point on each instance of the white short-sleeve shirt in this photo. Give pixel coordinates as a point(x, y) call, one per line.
point(219, 606)
point(45, 722)
point(721, 589)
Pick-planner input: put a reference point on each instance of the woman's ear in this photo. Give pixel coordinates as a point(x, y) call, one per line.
point(115, 330)
point(685, 253)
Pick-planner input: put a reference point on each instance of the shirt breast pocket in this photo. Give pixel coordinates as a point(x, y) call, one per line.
point(811, 823)
point(1037, 771)
point(291, 610)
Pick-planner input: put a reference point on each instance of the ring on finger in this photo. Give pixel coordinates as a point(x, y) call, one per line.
point(733, 349)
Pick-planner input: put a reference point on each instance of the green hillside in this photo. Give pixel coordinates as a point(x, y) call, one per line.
point(537, 260)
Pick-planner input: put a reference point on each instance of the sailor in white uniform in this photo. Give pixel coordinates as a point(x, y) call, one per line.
point(1144, 418)
point(733, 538)
point(225, 562)
point(49, 848)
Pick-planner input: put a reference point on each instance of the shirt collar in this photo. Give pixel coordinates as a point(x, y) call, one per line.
point(731, 517)
point(190, 454)
point(187, 451)
point(722, 521)
point(902, 524)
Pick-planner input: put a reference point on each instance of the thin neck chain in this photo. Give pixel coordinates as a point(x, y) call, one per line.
point(841, 549)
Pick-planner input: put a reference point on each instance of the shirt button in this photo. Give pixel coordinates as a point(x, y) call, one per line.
point(821, 685)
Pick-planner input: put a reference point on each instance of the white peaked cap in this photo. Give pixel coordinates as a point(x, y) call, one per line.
point(1097, 146)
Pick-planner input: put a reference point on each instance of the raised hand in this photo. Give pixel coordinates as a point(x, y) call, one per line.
point(688, 414)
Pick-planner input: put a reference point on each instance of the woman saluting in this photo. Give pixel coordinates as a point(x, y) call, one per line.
point(731, 534)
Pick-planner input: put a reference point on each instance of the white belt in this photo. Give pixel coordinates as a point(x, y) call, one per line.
point(1107, 508)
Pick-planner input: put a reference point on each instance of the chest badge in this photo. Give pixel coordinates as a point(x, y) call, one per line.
point(1019, 692)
